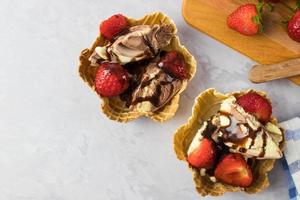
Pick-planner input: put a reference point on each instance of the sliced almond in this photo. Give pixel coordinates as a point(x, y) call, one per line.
point(225, 108)
point(274, 132)
point(224, 121)
point(253, 123)
point(213, 179)
point(226, 105)
point(220, 133)
point(273, 128)
point(244, 129)
point(202, 171)
point(238, 113)
point(101, 51)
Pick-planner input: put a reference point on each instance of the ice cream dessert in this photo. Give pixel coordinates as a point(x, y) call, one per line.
point(138, 68)
point(234, 145)
point(152, 88)
point(137, 51)
point(138, 43)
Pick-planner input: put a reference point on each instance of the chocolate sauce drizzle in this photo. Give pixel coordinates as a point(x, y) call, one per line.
point(150, 54)
point(136, 69)
point(154, 99)
point(238, 140)
point(152, 50)
point(262, 154)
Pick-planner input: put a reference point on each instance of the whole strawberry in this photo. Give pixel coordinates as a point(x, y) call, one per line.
point(172, 63)
point(246, 19)
point(113, 26)
point(294, 27)
point(257, 105)
point(111, 79)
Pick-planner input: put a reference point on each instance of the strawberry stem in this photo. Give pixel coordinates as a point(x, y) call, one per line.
point(297, 5)
point(258, 18)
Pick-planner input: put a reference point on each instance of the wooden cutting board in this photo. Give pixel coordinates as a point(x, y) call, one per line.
point(272, 46)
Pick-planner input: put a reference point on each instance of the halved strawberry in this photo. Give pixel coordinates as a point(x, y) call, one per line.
point(257, 105)
point(234, 170)
point(204, 155)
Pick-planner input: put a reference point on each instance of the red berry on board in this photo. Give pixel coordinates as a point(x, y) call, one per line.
point(294, 27)
point(246, 20)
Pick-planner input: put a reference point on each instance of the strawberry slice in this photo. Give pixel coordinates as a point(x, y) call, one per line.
point(257, 105)
point(234, 170)
point(203, 156)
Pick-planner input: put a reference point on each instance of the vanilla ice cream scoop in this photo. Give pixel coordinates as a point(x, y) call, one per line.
point(241, 132)
point(246, 135)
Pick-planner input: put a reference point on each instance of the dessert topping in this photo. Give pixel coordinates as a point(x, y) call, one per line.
point(111, 79)
point(204, 155)
point(113, 26)
point(140, 43)
point(172, 63)
point(256, 105)
point(246, 135)
point(155, 88)
point(234, 170)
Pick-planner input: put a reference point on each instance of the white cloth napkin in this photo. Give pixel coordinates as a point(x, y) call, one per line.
point(291, 160)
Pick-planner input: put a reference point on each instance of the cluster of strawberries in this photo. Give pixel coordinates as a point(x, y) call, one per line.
point(232, 168)
point(112, 79)
point(247, 19)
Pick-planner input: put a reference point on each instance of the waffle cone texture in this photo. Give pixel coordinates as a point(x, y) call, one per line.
point(113, 107)
point(206, 105)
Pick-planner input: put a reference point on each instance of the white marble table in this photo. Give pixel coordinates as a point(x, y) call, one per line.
point(54, 142)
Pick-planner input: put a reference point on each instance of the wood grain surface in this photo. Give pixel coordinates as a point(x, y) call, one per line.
point(270, 47)
point(285, 69)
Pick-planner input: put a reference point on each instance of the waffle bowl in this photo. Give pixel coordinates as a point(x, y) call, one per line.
point(114, 108)
point(206, 105)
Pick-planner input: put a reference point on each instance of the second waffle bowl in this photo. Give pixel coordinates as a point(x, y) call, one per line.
point(206, 105)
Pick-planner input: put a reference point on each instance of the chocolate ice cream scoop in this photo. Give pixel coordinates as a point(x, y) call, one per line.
point(141, 42)
point(155, 89)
